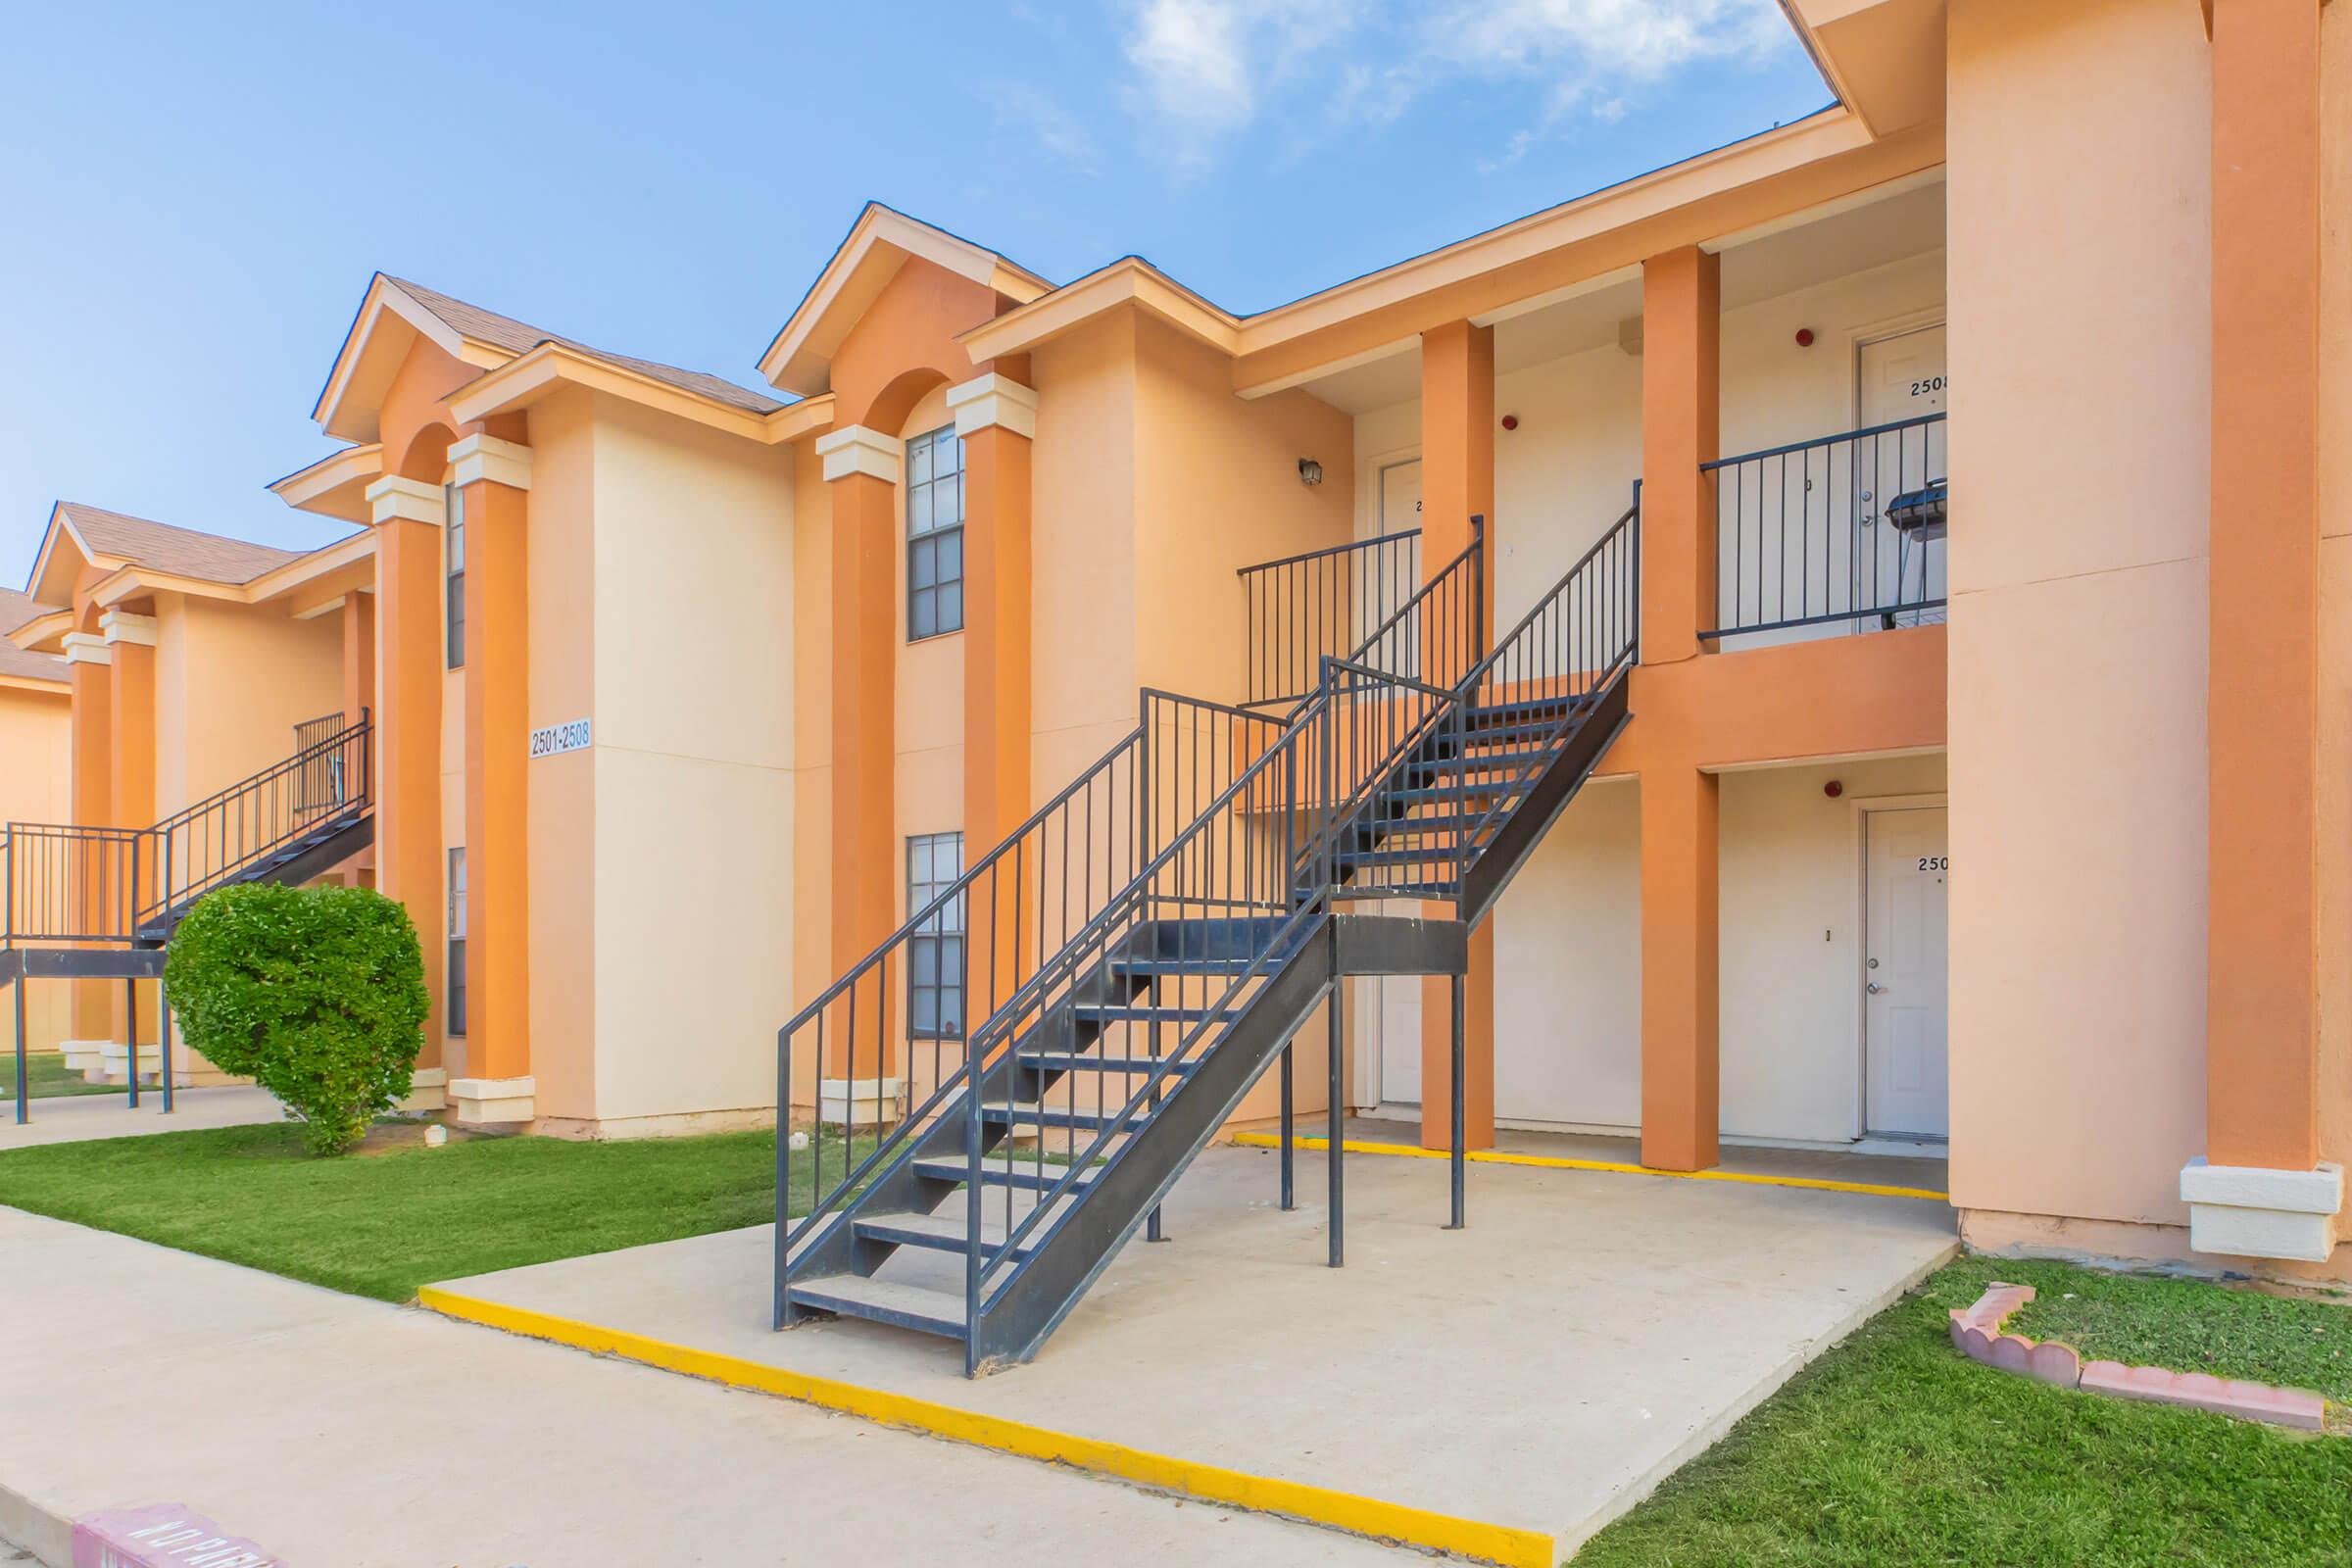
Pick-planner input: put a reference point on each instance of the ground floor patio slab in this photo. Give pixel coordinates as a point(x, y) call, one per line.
point(1502, 1391)
point(80, 1119)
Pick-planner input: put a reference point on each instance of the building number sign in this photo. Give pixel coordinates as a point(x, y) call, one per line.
point(556, 738)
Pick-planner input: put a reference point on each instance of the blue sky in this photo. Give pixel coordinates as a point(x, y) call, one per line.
point(194, 196)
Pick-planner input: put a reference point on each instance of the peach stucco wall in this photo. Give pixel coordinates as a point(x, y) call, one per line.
point(694, 730)
point(36, 761)
point(231, 683)
point(2080, 417)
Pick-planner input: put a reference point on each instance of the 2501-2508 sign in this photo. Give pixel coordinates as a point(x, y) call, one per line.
point(556, 738)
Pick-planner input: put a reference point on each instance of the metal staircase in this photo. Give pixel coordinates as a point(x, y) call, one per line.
point(101, 902)
point(1138, 954)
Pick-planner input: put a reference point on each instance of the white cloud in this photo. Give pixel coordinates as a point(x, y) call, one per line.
point(1595, 42)
point(1202, 65)
point(1054, 128)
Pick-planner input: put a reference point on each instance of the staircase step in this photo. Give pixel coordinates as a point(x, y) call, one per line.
point(1023, 1175)
point(1139, 1012)
point(1399, 890)
point(1234, 964)
point(1479, 763)
point(1072, 1062)
point(1430, 794)
point(1014, 1114)
point(1435, 854)
point(942, 1232)
point(907, 1307)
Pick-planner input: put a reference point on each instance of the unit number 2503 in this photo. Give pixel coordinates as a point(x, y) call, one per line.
point(1934, 862)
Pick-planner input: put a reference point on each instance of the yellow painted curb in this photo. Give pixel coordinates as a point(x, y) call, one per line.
point(1496, 1157)
point(1320, 1506)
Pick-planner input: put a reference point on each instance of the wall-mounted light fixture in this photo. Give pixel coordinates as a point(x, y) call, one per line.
point(1310, 472)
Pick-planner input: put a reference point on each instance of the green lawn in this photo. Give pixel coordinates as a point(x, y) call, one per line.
point(45, 1076)
point(382, 1222)
point(1895, 1449)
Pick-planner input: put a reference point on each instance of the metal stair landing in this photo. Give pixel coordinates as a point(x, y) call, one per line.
point(1100, 1062)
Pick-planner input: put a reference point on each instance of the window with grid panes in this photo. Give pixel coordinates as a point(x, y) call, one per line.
point(935, 953)
point(934, 534)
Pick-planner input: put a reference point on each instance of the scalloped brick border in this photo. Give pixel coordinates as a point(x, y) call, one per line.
point(1977, 1333)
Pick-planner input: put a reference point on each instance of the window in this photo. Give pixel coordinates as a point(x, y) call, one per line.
point(454, 497)
point(454, 1021)
point(935, 953)
point(934, 534)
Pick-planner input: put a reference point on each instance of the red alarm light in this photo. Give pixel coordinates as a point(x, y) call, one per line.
point(1833, 789)
point(1804, 337)
point(1510, 421)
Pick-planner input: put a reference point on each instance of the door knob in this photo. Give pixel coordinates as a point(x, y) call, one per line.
point(1874, 988)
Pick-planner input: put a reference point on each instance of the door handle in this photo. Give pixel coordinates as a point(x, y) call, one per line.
point(1874, 988)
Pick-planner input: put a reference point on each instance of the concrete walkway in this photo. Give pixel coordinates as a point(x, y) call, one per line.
point(334, 1431)
point(75, 1118)
point(1529, 1377)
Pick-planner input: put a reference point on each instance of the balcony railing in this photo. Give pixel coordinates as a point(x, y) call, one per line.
point(1841, 531)
point(1304, 609)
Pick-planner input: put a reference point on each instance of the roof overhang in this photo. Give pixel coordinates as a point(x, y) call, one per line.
point(528, 377)
point(347, 566)
point(801, 358)
point(54, 572)
point(1882, 58)
point(1128, 281)
point(40, 634)
point(388, 324)
point(336, 485)
point(60, 687)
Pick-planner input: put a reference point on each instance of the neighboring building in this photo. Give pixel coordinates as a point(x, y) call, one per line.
point(688, 698)
point(35, 723)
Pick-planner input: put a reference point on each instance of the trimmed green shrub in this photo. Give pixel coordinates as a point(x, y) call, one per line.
point(316, 993)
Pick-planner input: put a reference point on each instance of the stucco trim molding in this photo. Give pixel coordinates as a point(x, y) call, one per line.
point(2252, 1211)
point(395, 498)
point(855, 449)
point(86, 648)
point(122, 626)
point(475, 458)
point(993, 401)
point(485, 1100)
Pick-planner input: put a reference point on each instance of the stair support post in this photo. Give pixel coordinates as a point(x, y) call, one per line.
point(1290, 1195)
point(1335, 1115)
point(163, 1042)
point(1455, 1158)
point(24, 1100)
point(130, 1008)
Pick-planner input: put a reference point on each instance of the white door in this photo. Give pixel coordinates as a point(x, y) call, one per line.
point(1905, 1027)
point(1400, 496)
point(1902, 377)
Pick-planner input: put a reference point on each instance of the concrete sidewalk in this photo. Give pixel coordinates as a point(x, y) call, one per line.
point(76, 1118)
point(341, 1433)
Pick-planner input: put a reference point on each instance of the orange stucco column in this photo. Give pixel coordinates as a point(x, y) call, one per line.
point(861, 469)
point(410, 658)
point(2262, 944)
point(89, 667)
point(995, 417)
point(1681, 428)
point(130, 761)
point(1681, 1022)
point(1457, 484)
point(493, 477)
point(359, 656)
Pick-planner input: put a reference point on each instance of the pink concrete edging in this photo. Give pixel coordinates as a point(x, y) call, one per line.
point(1977, 1331)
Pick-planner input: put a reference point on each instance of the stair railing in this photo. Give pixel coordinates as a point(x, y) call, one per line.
point(1565, 651)
point(912, 1001)
point(60, 883)
point(224, 835)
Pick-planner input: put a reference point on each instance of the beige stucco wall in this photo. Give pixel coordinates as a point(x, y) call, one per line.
point(693, 712)
point(231, 682)
point(35, 760)
point(2081, 418)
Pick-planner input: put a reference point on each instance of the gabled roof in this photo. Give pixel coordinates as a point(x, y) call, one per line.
point(113, 540)
point(16, 663)
point(869, 256)
point(394, 313)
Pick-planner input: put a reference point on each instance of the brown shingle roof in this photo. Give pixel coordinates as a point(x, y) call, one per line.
point(183, 552)
point(518, 337)
point(15, 610)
